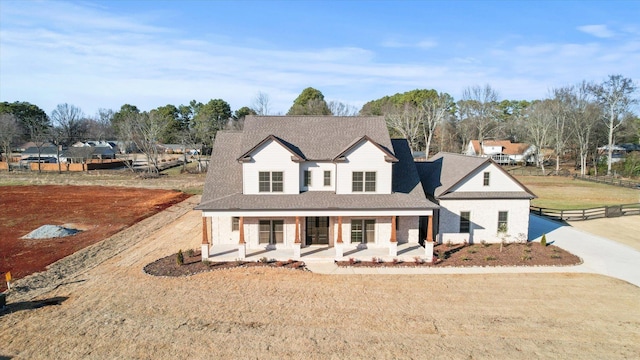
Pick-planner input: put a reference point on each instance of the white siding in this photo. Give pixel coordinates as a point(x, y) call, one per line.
point(317, 176)
point(498, 181)
point(271, 156)
point(484, 220)
point(364, 157)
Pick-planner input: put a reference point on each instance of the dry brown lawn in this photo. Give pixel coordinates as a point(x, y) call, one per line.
point(110, 309)
point(560, 192)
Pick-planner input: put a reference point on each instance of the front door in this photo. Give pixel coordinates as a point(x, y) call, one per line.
point(317, 231)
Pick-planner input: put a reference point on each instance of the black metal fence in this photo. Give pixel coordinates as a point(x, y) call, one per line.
point(587, 214)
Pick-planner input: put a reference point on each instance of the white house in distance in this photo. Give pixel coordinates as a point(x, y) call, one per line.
point(479, 200)
point(287, 182)
point(502, 151)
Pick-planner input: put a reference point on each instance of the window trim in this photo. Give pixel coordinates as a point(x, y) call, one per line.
point(268, 184)
point(327, 178)
point(486, 178)
point(504, 222)
point(364, 183)
point(465, 222)
point(364, 238)
point(272, 232)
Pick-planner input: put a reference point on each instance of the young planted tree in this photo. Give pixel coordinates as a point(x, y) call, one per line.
point(616, 96)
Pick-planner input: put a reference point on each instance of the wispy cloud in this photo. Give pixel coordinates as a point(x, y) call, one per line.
point(601, 31)
point(423, 44)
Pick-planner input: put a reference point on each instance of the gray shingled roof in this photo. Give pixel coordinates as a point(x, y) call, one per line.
point(445, 170)
point(223, 185)
point(315, 137)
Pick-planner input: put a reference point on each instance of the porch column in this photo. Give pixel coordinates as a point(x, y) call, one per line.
point(204, 251)
point(339, 245)
point(242, 250)
point(393, 242)
point(296, 244)
point(428, 244)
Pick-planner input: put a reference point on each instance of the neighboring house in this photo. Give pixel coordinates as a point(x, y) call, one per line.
point(479, 201)
point(291, 181)
point(179, 149)
point(502, 151)
point(80, 154)
point(46, 152)
point(618, 153)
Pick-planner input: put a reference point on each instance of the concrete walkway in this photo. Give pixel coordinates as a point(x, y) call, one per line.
point(600, 256)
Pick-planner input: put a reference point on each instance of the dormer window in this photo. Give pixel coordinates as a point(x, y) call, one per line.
point(270, 181)
point(363, 181)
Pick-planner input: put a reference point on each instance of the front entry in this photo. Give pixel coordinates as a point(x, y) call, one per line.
point(317, 231)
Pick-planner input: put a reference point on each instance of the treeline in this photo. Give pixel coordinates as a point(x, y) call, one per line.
point(573, 120)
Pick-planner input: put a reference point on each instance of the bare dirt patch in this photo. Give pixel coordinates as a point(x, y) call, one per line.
point(99, 211)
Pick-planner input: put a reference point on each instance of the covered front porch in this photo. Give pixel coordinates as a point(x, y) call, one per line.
point(313, 238)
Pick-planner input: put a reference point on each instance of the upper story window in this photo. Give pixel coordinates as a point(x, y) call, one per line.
point(363, 181)
point(307, 178)
point(486, 178)
point(327, 178)
point(270, 181)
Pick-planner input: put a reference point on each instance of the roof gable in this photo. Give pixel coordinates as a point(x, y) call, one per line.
point(295, 156)
point(445, 172)
point(388, 156)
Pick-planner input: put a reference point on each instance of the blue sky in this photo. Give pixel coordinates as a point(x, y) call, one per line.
point(103, 54)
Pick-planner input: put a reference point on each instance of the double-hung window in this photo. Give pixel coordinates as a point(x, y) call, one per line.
point(270, 181)
point(307, 178)
point(271, 232)
point(235, 223)
point(363, 231)
point(363, 181)
point(486, 178)
point(465, 221)
point(503, 217)
point(327, 178)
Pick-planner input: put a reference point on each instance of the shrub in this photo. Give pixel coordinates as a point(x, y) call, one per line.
point(472, 251)
point(418, 260)
point(395, 261)
point(484, 243)
point(206, 262)
point(190, 253)
point(263, 260)
point(556, 256)
point(526, 257)
point(488, 258)
point(449, 243)
point(442, 255)
point(466, 258)
point(543, 241)
point(179, 258)
point(352, 261)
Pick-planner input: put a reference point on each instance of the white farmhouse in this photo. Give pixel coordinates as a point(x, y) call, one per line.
point(287, 182)
point(479, 201)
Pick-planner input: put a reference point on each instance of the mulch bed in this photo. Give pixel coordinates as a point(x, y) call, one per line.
point(193, 264)
point(464, 255)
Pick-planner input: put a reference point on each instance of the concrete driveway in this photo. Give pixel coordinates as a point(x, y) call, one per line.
point(600, 255)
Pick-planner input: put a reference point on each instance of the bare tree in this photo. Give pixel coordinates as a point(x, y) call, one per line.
point(40, 136)
point(539, 124)
point(582, 115)
point(69, 119)
point(261, 104)
point(407, 123)
point(341, 109)
point(615, 95)
point(480, 106)
point(9, 132)
point(560, 107)
point(434, 112)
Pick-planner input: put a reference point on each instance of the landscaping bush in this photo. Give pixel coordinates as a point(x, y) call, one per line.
point(543, 241)
point(180, 258)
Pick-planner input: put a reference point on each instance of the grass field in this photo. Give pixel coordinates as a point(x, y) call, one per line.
point(559, 192)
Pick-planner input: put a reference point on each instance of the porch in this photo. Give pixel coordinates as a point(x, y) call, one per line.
point(318, 253)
